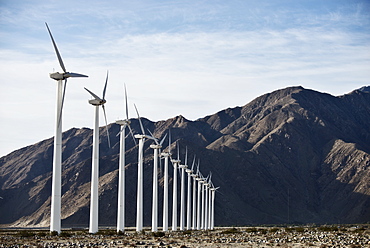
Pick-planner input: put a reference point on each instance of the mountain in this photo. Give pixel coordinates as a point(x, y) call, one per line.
point(291, 156)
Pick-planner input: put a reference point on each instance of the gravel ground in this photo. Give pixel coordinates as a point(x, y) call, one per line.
point(220, 237)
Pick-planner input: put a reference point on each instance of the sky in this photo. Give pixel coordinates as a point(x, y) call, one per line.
point(190, 58)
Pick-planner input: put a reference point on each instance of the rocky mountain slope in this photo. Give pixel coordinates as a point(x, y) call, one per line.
point(291, 156)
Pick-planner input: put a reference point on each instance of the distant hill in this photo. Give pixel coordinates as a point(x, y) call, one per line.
point(365, 89)
point(291, 156)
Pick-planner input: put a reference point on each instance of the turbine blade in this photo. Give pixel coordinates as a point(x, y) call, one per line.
point(163, 140)
point(201, 175)
point(126, 102)
point(178, 150)
point(120, 131)
point(95, 96)
point(169, 141)
point(141, 124)
point(106, 125)
point(105, 86)
point(56, 49)
point(186, 156)
point(156, 141)
point(150, 137)
point(132, 135)
point(160, 162)
point(72, 74)
point(61, 106)
point(127, 135)
point(192, 166)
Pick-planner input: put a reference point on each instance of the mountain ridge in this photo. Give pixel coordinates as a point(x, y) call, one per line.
point(293, 155)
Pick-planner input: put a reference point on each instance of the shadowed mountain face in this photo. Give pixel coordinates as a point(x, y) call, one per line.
point(293, 155)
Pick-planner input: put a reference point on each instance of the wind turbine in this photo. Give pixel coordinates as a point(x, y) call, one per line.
point(56, 188)
point(139, 204)
point(156, 147)
point(213, 207)
point(213, 192)
point(121, 171)
point(176, 163)
point(96, 102)
point(182, 206)
point(188, 212)
point(166, 155)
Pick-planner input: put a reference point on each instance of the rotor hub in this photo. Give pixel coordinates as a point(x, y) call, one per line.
point(57, 76)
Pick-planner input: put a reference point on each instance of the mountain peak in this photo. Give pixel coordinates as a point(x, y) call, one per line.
point(365, 89)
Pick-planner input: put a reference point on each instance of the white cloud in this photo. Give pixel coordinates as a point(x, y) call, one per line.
point(179, 64)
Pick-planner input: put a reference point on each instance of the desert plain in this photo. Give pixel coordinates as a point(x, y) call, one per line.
point(322, 236)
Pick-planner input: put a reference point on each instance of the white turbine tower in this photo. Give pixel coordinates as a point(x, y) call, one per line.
point(166, 155)
point(182, 202)
point(206, 201)
point(209, 202)
point(176, 163)
point(194, 224)
point(56, 188)
point(97, 101)
point(203, 180)
point(139, 204)
point(121, 170)
point(212, 224)
point(188, 210)
point(199, 207)
point(156, 147)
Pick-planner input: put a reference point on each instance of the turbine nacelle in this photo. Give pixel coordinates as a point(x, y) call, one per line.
point(155, 146)
point(123, 122)
point(183, 166)
point(175, 161)
point(61, 76)
point(165, 154)
point(97, 102)
point(143, 136)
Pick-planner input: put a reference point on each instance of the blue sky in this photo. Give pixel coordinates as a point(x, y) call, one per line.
point(192, 58)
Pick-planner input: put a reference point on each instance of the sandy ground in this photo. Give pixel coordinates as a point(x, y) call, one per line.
point(220, 237)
